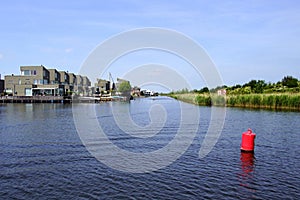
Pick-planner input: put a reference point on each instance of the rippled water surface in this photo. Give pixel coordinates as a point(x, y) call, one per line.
point(42, 156)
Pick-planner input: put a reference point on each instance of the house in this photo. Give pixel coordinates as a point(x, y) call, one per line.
point(221, 92)
point(38, 80)
point(65, 80)
point(86, 86)
point(102, 86)
point(31, 77)
point(136, 91)
point(1, 86)
point(54, 76)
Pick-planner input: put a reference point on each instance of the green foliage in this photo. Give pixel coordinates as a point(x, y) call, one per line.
point(204, 90)
point(290, 82)
point(284, 94)
point(274, 101)
point(204, 100)
point(124, 87)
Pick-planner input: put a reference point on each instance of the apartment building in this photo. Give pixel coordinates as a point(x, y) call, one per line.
point(86, 86)
point(38, 80)
point(1, 86)
point(54, 76)
point(31, 77)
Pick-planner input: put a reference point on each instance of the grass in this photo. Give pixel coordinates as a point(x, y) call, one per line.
point(272, 101)
point(284, 101)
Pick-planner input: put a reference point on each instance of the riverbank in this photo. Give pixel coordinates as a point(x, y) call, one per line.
point(278, 101)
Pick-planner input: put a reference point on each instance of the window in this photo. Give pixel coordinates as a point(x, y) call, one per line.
point(45, 73)
point(26, 73)
point(9, 90)
point(20, 82)
point(28, 92)
point(38, 82)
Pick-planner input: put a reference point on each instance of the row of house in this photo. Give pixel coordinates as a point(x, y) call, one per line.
point(38, 80)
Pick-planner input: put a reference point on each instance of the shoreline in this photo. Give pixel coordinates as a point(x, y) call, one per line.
point(57, 99)
point(275, 102)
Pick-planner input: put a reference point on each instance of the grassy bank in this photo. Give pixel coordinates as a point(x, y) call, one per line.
point(268, 101)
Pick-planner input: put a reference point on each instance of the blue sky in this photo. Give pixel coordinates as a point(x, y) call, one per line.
point(245, 39)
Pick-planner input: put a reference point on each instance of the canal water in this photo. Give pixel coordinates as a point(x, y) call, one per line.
point(43, 157)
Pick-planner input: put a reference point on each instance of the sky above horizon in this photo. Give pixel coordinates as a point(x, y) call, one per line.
point(245, 39)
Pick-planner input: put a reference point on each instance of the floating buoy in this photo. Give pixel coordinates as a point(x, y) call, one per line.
point(248, 141)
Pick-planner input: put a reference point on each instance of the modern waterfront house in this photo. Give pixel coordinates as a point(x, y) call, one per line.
point(1, 86)
point(38, 80)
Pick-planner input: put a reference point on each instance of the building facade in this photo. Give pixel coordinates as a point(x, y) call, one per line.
point(102, 86)
point(54, 76)
point(1, 86)
point(31, 77)
point(38, 80)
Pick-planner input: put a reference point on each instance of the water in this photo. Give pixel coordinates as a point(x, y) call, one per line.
point(42, 156)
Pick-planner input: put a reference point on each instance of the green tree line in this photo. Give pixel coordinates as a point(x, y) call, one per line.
point(284, 94)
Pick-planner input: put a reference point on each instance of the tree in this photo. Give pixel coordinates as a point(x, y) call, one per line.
point(260, 86)
point(289, 81)
point(204, 90)
point(256, 86)
point(251, 83)
point(124, 86)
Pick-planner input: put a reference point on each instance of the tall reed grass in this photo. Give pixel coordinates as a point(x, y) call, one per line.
point(270, 101)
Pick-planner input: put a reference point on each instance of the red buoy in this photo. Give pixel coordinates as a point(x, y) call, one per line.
point(248, 141)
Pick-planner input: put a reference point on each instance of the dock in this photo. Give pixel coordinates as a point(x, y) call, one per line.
point(35, 99)
point(58, 99)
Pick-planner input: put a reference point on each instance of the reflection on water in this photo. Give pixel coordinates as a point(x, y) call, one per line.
point(247, 163)
point(246, 176)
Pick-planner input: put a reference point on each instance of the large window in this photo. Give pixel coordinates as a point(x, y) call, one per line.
point(9, 90)
point(28, 92)
point(38, 82)
point(28, 72)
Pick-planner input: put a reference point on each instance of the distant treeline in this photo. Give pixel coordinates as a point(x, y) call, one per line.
point(284, 94)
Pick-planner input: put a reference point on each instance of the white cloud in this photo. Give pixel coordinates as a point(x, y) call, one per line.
point(1, 56)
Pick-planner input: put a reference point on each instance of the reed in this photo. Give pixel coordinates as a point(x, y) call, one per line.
point(284, 101)
point(272, 101)
point(185, 97)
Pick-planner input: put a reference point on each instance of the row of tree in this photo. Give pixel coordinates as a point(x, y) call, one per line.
point(287, 84)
